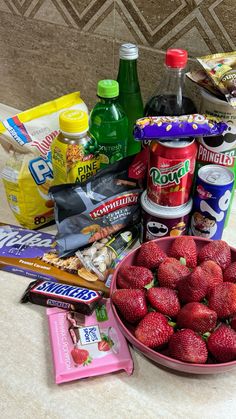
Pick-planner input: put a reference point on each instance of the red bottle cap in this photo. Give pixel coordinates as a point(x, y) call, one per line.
point(176, 58)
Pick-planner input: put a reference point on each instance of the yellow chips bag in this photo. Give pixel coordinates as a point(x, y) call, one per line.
point(27, 174)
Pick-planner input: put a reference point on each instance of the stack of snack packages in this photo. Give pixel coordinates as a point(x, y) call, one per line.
point(215, 81)
point(186, 193)
point(167, 203)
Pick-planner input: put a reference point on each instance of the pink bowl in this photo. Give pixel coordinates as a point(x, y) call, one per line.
point(158, 357)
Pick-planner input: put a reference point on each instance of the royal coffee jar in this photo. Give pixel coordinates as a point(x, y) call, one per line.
point(159, 221)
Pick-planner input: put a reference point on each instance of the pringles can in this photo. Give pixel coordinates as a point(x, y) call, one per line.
point(211, 201)
point(220, 149)
point(158, 221)
point(170, 171)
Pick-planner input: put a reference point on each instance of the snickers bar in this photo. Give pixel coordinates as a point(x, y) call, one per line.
point(68, 297)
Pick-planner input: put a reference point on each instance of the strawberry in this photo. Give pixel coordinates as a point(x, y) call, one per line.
point(233, 322)
point(81, 356)
point(105, 344)
point(222, 344)
point(217, 250)
point(194, 287)
point(184, 247)
point(230, 273)
point(153, 330)
point(197, 317)
point(164, 300)
point(185, 345)
point(150, 255)
point(222, 299)
point(131, 303)
point(134, 277)
point(214, 273)
point(170, 272)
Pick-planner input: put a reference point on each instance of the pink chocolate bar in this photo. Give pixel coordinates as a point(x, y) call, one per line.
point(86, 346)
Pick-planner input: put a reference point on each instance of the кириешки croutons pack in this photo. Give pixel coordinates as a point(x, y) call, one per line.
point(106, 203)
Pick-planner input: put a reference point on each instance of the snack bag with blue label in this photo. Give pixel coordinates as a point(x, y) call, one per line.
point(27, 174)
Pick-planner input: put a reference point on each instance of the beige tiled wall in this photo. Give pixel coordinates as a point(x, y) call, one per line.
point(52, 47)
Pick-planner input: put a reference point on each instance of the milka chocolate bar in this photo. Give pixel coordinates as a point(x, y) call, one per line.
point(33, 254)
point(68, 297)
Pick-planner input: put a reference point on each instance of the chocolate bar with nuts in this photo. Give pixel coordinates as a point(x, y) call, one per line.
point(70, 264)
point(68, 297)
point(184, 126)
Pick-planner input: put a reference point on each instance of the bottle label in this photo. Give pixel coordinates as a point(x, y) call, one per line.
point(110, 153)
point(74, 162)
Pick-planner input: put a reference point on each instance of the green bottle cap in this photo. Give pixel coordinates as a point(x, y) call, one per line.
point(108, 88)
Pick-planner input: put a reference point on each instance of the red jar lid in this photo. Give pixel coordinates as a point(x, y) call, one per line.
point(176, 58)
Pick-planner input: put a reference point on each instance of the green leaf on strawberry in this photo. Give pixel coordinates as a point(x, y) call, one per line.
point(204, 301)
point(182, 261)
point(88, 361)
point(150, 285)
point(150, 309)
point(206, 335)
point(171, 323)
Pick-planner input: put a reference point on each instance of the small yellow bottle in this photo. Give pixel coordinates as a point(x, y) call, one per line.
point(75, 155)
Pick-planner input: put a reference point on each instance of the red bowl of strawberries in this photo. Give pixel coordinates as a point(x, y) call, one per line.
point(175, 301)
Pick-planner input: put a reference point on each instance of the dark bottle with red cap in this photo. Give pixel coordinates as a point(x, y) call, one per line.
point(170, 98)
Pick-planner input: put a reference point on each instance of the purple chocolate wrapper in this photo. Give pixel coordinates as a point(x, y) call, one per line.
point(169, 127)
point(19, 242)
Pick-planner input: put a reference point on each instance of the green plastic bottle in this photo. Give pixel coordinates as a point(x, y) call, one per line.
point(109, 123)
point(130, 96)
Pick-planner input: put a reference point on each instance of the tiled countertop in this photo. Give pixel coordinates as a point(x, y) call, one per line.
point(26, 372)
